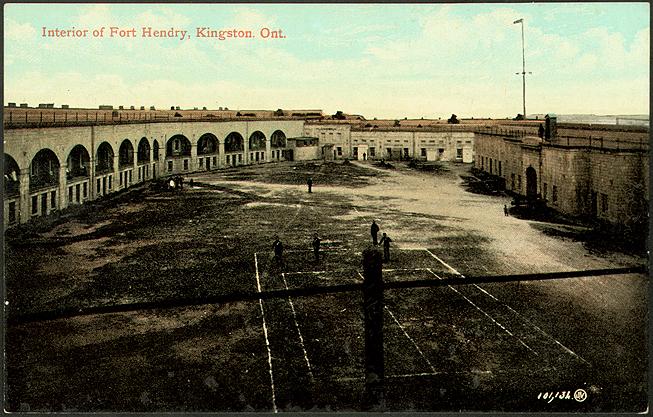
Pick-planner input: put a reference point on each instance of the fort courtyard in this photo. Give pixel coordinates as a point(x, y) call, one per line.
point(226, 207)
point(517, 346)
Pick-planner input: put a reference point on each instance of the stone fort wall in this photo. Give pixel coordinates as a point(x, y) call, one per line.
point(26, 199)
point(441, 144)
point(597, 182)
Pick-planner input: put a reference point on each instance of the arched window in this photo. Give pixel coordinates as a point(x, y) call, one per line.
point(44, 170)
point(234, 142)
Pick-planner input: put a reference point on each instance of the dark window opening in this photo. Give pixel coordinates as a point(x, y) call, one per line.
point(604, 203)
point(12, 212)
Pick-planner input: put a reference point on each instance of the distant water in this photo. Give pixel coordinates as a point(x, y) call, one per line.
point(622, 119)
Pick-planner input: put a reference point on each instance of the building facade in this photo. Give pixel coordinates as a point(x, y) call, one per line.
point(597, 174)
point(446, 143)
point(48, 169)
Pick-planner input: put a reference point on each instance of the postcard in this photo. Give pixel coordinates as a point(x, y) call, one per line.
point(269, 208)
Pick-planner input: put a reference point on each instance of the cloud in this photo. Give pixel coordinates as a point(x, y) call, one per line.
point(94, 16)
point(161, 17)
point(443, 62)
point(15, 31)
point(248, 18)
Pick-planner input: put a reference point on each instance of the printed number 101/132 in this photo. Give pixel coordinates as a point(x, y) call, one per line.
point(559, 395)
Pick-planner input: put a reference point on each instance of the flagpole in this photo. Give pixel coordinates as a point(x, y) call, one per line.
point(523, 65)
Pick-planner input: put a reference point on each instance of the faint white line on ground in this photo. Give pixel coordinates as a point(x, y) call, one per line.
point(293, 218)
point(265, 332)
point(301, 339)
point(444, 263)
point(411, 339)
point(486, 314)
point(407, 335)
point(565, 348)
point(311, 250)
point(404, 269)
point(473, 371)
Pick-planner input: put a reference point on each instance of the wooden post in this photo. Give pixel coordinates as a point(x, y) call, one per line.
point(373, 395)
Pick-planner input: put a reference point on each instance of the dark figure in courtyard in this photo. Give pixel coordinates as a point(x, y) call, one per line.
point(374, 230)
point(310, 184)
point(191, 183)
point(385, 240)
point(316, 247)
point(277, 246)
point(181, 182)
point(505, 210)
point(540, 131)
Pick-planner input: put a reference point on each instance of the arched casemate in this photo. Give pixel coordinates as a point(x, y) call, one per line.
point(178, 154)
point(234, 146)
point(143, 154)
point(78, 163)
point(104, 159)
point(278, 145)
point(178, 146)
point(257, 147)
point(44, 170)
point(126, 154)
point(207, 151)
point(12, 177)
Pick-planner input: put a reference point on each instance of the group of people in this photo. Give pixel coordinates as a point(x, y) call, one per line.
point(277, 245)
point(385, 240)
point(176, 182)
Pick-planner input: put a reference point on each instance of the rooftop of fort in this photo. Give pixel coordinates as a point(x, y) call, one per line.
point(47, 115)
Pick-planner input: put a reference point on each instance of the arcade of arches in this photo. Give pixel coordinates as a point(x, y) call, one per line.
point(52, 181)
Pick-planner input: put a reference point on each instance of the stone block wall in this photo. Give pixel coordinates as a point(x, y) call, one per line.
point(604, 184)
point(447, 145)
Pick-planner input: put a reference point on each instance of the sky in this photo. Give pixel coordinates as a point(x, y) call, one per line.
point(378, 60)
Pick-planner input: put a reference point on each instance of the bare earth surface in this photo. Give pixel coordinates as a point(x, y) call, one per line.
point(491, 347)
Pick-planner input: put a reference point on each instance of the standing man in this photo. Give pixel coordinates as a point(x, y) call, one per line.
point(505, 210)
point(277, 246)
point(310, 184)
point(386, 247)
point(374, 230)
point(316, 247)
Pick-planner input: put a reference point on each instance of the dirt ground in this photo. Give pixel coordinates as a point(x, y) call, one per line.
point(489, 347)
